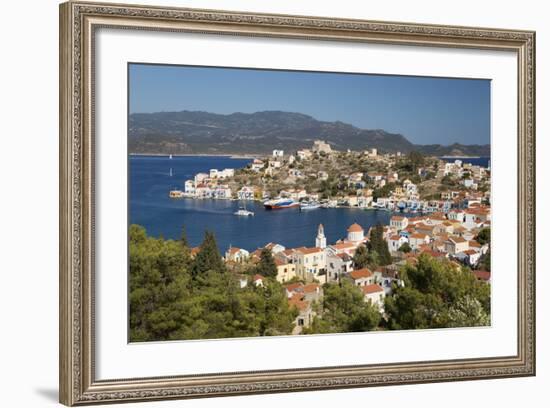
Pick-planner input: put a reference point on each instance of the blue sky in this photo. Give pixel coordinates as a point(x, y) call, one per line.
point(425, 110)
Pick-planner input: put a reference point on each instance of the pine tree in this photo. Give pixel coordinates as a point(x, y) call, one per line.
point(208, 258)
point(378, 243)
point(267, 267)
point(361, 257)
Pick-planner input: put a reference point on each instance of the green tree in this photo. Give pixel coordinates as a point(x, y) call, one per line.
point(405, 248)
point(267, 267)
point(484, 236)
point(208, 258)
point(437, 293)
point(345, 310)
point(378, 243)
point(361, 257)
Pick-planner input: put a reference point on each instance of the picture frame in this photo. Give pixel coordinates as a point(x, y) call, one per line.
point(79, 24)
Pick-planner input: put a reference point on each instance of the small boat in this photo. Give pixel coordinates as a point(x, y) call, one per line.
point(280, 203)
point(243, 212)
point(170, 157)
point(176, 194)
point(309, 205)
point(171, 172)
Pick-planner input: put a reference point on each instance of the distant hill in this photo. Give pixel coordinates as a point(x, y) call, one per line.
point(191, 132)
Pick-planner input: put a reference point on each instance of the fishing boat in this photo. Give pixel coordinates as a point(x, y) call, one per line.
point(176, 194)
point(309, 205)
point(280, 203)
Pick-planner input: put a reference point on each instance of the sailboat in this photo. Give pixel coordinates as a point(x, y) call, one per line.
point(170, 157)
point(171, 173)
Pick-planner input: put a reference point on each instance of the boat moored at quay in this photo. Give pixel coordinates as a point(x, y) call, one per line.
point(280, 203)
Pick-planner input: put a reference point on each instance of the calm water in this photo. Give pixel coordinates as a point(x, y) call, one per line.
point(151, 207)
point(476, 161)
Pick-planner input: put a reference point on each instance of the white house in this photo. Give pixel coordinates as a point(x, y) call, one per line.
point(395, 242)
point(338, 265)
point(237, 255)
point(189, 187)
point(418, 239)
point(375, 294)
point(245, 193)
point(362, 277)
point(200, 177)
point(278, 153)
point(257, 165)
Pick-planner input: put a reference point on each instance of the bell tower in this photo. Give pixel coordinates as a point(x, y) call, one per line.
point(321, 240)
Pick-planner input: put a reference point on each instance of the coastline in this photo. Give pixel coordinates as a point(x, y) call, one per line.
point(230, 155)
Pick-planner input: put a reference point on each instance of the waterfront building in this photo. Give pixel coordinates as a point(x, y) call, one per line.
point(321, 240)
point(189, 187)
point(200, 178)
point(245, 193)
point(278, 153)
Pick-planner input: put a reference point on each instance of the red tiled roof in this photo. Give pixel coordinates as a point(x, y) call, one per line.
point(361, 273)
point(293, 286)
point(307, 251)
point(312, 287)
point(374, 288)
point(484, 275)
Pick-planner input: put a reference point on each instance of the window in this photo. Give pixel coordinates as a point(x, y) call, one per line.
point(300, 322)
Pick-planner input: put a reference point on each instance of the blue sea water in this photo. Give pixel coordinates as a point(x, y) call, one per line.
point(151, 207)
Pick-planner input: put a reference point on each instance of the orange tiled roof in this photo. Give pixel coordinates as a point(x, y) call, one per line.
point(361, 273)
point(374, 288)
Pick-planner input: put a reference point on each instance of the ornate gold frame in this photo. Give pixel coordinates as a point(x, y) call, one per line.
point(78, 22)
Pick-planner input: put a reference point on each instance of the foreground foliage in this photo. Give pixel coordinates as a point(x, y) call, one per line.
point(175, 297)
point(438, 294)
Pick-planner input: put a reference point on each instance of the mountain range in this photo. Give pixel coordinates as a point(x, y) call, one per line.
point(196, 132)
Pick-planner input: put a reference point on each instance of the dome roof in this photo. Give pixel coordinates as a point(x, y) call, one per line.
point(355, 228)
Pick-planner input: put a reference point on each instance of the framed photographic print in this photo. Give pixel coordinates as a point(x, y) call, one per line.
point(258, 203)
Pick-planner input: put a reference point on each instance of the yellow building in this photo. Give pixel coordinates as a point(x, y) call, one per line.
point(285, 270)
